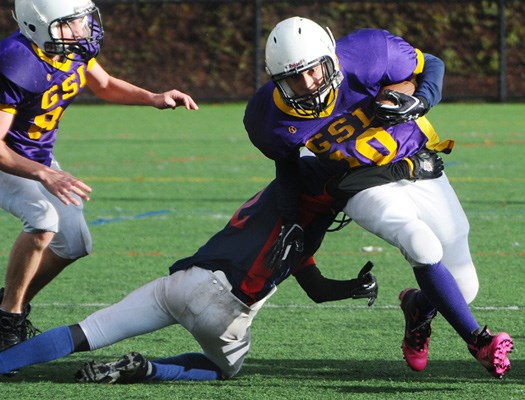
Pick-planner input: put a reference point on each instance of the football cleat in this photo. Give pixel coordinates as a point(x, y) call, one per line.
point(492, 350)
point(11, 329)
point(15, 328)
point(130, 368)
point(417, 331)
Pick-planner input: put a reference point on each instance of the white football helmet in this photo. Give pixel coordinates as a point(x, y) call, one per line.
point(44, 22)
point(294, 46)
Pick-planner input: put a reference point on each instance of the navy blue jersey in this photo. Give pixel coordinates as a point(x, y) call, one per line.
point(239, 248)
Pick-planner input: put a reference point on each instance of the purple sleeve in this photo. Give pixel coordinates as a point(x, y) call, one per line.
point(401, 59)
point(16, 64)
point(373, 58)
point(10, 94)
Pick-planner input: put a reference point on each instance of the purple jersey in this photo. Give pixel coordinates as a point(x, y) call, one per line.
point(343, 135)
point(36, 90)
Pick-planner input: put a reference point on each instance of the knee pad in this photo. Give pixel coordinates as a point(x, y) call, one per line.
point(467, 280)
point(419, 244)
point(73, 240)
point(39, 216)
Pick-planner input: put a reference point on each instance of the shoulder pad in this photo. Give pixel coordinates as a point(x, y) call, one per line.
point(19, 64)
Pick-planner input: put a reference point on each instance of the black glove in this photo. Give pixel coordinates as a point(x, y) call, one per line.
point(427, 165)
point(287, 248)
point(368, 286)
point(405, 108)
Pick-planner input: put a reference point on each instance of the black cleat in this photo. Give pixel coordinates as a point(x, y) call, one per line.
point(131, 368)
point(14, 328)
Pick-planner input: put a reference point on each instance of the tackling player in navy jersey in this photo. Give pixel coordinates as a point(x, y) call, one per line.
point(216, 293)
point(323, 96)
point(43, 67)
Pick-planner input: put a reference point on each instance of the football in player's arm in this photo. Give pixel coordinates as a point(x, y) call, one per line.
point(325, 95)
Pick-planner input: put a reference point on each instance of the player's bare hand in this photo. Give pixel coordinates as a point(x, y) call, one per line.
point(65, 187)
point(173, 99)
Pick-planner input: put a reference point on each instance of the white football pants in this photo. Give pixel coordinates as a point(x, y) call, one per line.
point(425, 220)
point(198, 299)
point(40, 211)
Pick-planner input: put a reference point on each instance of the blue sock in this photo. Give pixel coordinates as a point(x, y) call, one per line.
point(47, 346)
point(441, 289)
point(189, 366)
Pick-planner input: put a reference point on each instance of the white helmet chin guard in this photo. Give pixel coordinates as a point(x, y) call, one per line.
point(294, 46)
point(44, 21)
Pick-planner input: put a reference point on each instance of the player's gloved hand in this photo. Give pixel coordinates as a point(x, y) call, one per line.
point(367, 286)
point(404, 108)
point(287, 248)
point(427, 164)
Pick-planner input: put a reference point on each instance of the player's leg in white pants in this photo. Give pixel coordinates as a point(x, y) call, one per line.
point(54, 235)
point(425, 220)
point(197, 299)
point(41, 211)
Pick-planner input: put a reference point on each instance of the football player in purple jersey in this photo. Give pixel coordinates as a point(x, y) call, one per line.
point(216, 293)
point(323, 97)
point(43, 67)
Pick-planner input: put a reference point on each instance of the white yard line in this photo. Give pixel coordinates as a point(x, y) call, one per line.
point(285, 306)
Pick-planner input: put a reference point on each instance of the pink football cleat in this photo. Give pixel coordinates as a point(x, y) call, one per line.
point(492, 350)
point(417, 331)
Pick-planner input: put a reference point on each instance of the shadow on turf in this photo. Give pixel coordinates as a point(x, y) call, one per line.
point(362, 370)
point(438, 371)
